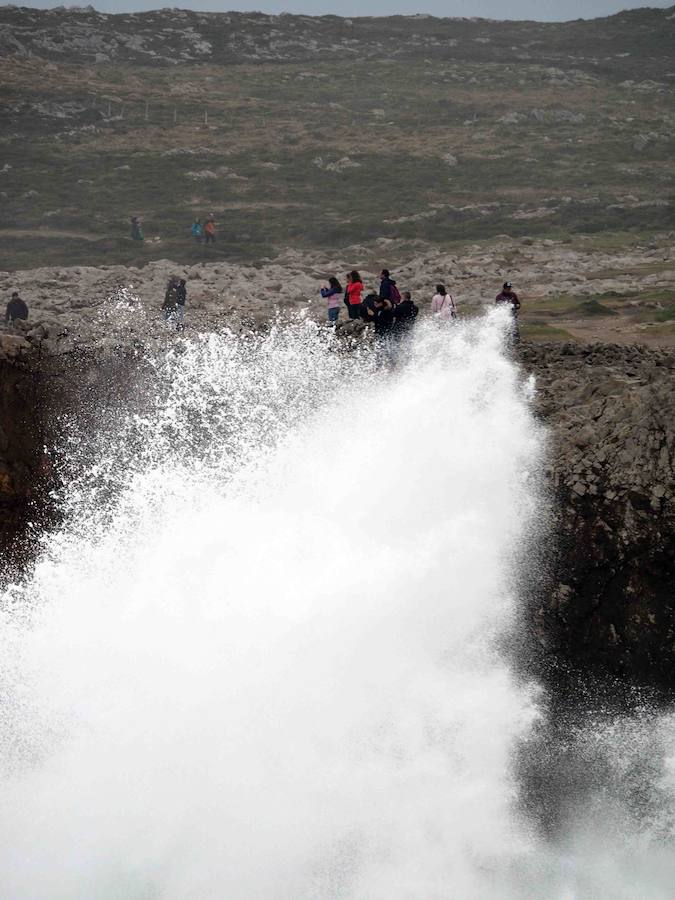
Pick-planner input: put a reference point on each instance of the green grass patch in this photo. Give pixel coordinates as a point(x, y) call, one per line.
point(543, 332)
point(594, 308)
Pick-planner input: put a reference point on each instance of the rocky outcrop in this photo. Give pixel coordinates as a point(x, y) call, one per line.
point(21, 412)
point(609, 604)
point(172, 36)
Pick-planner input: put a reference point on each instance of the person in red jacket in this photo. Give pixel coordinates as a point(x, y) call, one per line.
point(210, 231)
point(353, 294)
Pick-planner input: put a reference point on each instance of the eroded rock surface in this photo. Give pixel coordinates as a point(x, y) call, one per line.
point(611, 410)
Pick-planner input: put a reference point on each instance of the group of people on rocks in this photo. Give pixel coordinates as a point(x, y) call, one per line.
point(201, 232)
point(204, 233)
point(391, 312)
point(387, 310)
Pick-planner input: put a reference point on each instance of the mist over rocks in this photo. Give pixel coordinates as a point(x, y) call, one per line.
point(607, 605)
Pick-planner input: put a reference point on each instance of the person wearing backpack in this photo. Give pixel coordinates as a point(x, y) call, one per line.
point(388, 289)
point(442, 305)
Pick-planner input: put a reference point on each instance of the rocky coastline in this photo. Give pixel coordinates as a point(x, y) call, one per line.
point(605, 604)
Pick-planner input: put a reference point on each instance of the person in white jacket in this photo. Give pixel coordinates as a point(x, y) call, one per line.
point(442, 304)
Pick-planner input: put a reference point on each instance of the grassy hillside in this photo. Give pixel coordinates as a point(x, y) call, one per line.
point(321, 132)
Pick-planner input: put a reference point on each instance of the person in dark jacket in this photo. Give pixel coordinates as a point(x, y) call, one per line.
point(383, 317)
point(388, 289)
point(181, 297)
point(508, 297)
point(171, 302)
point(16, 309)
point(405, 314)
point(368, 308)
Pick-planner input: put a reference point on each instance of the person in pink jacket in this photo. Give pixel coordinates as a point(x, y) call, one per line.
point(332, 293)
point(442, 304)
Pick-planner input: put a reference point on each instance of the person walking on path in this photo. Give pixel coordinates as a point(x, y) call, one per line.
point(508, 297)
point(210, 231)
point(16, 309)
point(197, 231)
point(388, 289)
point(333, 294)
point(442, 304)
point(136, 230)
point(353, 294)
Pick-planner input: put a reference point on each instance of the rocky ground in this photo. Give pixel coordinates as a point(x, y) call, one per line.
point(579, 290)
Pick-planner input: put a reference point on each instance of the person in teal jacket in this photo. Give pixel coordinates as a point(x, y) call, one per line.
point(197, 231)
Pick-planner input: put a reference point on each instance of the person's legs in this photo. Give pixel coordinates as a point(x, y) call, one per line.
point(333, 314)
point(354, 310)
point(180, 315)
point(515, 331)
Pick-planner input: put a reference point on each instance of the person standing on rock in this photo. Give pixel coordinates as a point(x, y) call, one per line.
point(388, 289)
point(353, 294)
point(405, 314)
point(171, 302)
point(508, 297)
point(383, 324)
point(333, 294)
point(181, 297)
point(443, 306)
point(16, 309)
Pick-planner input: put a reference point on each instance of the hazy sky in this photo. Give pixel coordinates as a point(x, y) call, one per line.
point(547, 10)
